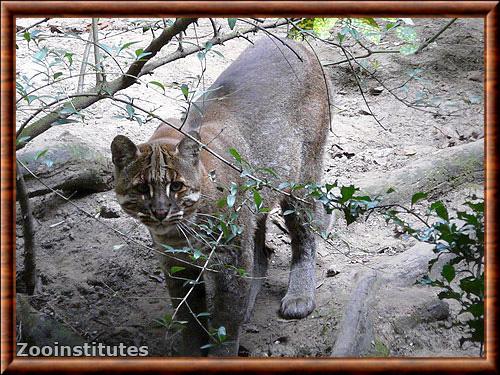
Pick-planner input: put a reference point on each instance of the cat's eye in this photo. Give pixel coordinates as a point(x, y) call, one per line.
point(142, 188)
point(176, 186)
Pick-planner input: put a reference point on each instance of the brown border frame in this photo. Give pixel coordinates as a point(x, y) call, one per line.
point(12, 9)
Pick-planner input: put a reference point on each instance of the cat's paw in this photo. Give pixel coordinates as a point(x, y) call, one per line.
point(296, 306)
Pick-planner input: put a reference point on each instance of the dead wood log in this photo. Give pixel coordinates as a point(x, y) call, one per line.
point(356, 332)
point(435, 174)
point(68, 164)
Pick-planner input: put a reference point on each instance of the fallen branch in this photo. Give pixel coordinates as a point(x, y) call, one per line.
point(355, 333)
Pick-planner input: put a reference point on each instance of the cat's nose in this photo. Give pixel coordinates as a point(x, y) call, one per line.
point(160, 214)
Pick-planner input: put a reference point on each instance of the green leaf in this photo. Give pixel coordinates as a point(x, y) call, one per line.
point(159, 84)
point(476, 207)
point(440, 210)
point(347, 192)
point(27, 36)
point(68, 109)
point(449, 294)
point(200, 55)
point(371, 22)
point(270, 171)
point(231, 22)
point(175, 269)
point(473, 285)
point(57, 75)
point(230, 200)
point(221, 333)
point(63, 121)
point(221, 203)
point(390, 190)
point(126, 45)
point(322, 26)
point(448, 272)
point(406, 34)
point(41, 153)
point(234, 188)
point(257, 198)
point(139, 53)
point(235, 154)
point(21, 140)
point(41, 54)
point(130, 110)
point(417, 197)
point(69, 56)
point(476, 309)
point(30, 98)
point(185, 90)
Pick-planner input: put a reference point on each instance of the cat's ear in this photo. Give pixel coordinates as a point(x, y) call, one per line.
point(123, 150)
point(188, 148)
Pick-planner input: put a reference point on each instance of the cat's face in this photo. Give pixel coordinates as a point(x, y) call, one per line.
point(159, 184)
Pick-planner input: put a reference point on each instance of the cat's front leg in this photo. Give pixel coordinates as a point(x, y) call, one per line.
point(188, 300)
point(230, 305)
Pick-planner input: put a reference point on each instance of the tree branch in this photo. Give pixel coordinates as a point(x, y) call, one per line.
point(432, 39)
point(29, 272)
point(221, 39)
point(136, 70)
point(126, 80)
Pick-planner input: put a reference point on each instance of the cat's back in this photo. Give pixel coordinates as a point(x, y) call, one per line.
point(272, 104)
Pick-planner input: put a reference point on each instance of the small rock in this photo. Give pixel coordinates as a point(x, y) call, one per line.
point(251, 328)
point(109, 212)
point(376, 90)
point(435, 310)
point(409, 152)
point(475, 75)
point(330, 272)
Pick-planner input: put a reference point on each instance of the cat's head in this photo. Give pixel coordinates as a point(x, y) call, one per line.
point(158, 183)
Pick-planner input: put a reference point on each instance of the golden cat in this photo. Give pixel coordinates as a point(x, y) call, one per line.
point(271, 105)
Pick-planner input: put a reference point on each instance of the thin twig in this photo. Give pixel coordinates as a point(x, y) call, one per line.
point(204, 267)
point(282, 41)
point(433, 38)
point(327, 86)
point(361, 89)
point(31, 26)
point(99, 78)
point(83, 67)
point(214, 27)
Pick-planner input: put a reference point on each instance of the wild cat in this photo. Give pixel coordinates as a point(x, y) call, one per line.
point(271, 105)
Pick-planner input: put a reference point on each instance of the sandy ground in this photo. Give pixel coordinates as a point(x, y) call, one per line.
point(111, 292)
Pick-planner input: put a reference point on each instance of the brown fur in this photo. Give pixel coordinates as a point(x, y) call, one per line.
point(273, 108)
